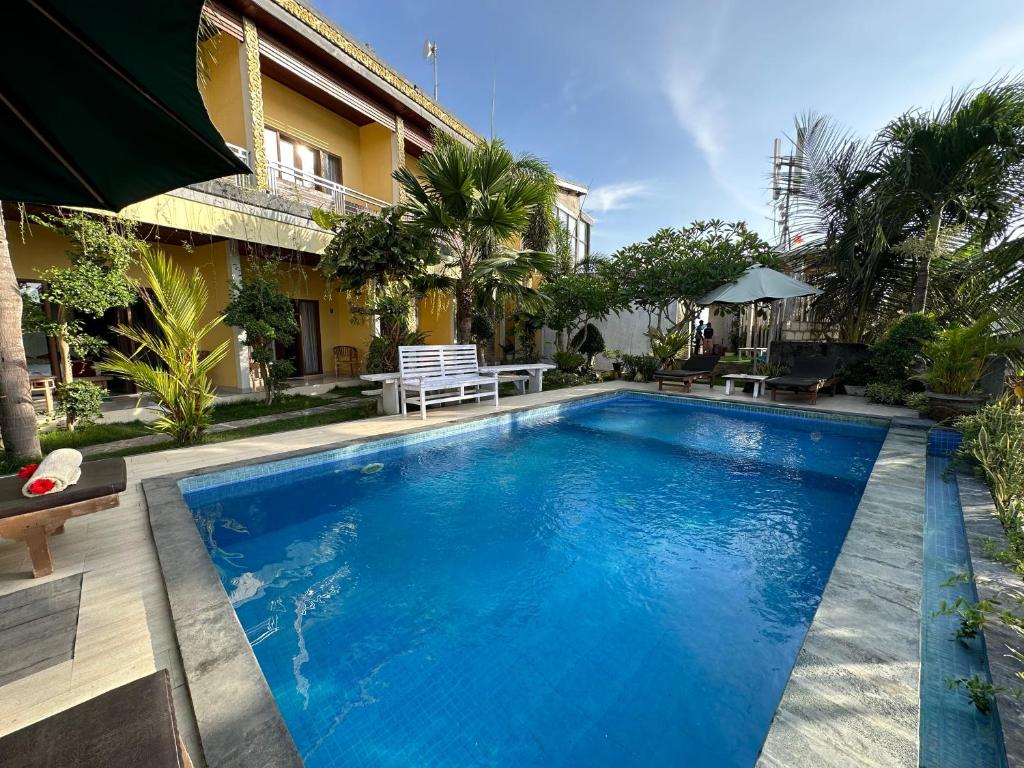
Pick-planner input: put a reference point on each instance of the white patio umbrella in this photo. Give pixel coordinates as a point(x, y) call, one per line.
point(759, 283)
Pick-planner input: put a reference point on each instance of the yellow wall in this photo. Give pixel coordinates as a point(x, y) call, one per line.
point(436, 318)
point(43, 249)
point(376, 141)
point(412, 163)
point(222, 91)
point(570, 201)
point(336, 326)
point(307, 121)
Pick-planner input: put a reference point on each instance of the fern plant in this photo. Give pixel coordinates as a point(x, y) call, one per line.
point(180, 381)
point(959, 355)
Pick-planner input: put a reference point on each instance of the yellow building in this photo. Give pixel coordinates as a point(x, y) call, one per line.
point(322, 123)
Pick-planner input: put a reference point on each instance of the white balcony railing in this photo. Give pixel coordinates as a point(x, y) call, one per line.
point(307, 188)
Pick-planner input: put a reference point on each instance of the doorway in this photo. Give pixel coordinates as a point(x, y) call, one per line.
point(304, 350)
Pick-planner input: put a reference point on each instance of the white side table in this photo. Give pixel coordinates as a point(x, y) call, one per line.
point(731, 378)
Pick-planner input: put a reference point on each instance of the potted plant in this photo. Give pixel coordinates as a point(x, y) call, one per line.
point(957, 357)
point(614, 356)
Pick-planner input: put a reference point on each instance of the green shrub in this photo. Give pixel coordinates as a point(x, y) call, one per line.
point(559, 379)
point(959, 355)
point(569, 362)
point(916, 400)
point(588, 341)
point(79, 402)
point(900, 345)
point(639, 367)
point(886, 392)
point(482, 329)
point(994, 438)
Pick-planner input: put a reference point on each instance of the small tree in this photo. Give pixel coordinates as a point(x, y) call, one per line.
point(103, 250)
point(179, 380)
point(267, 316)
point(385, 264)
point(681, 265)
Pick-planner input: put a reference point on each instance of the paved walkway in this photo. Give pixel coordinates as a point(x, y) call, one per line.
point(125, 629)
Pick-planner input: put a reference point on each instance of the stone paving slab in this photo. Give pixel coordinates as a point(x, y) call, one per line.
point(852, 699)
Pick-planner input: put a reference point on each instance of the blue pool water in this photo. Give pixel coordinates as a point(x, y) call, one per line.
point(625, 582)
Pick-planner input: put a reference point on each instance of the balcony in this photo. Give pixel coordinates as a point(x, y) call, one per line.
point(307, 189)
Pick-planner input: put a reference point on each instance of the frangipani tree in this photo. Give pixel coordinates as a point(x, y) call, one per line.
point(478, 202)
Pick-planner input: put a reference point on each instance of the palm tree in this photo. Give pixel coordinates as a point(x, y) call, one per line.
point(478, 202)
point(17, 414)
point(179, 379)
point(960, 166)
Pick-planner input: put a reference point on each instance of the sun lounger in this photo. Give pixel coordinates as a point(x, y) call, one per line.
point(698, 367)
point(442, 373)
point(809, 374)
point(131, 726)
point(34, 520)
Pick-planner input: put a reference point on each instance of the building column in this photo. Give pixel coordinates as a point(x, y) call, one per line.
point(252, 103)
point(397, 157)
point(238, 347)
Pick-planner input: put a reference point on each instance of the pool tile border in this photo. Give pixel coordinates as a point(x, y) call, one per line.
point(852, 699)
point(238, 718)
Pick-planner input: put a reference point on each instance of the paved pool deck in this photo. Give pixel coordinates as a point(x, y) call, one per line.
point(125, 629)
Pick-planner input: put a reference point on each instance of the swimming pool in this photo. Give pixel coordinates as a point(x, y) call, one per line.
point(624, 581)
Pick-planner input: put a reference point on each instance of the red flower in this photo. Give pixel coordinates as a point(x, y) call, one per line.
point(26, 472)
point(41, 486)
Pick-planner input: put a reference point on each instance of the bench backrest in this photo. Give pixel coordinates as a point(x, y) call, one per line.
point(437, 360)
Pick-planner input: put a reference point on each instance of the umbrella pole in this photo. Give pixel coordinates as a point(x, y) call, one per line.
point(18, 425)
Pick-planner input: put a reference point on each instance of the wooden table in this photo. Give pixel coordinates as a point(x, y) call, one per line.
point(46, 385)
point(731, 378)
point(534, 370)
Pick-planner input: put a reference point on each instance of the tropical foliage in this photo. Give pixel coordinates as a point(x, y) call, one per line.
point(959, 355)
point(920, 216)
point(266, 315)
point(169, 363)
point(102, 251)
point(681, 265)
point(478, 202)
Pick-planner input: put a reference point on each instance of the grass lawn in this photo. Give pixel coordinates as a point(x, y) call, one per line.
point(285, 425)
point(248, 409)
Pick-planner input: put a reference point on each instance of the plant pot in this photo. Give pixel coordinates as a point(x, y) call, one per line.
point(944, 408)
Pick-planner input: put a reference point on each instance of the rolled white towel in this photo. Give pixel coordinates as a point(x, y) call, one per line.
point(63, 467)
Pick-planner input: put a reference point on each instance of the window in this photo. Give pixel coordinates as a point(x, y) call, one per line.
point(285, 154)
point(579, 233)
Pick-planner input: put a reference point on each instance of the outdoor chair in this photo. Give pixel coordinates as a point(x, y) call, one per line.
point(345, 356)
point(695, 368)
point(809, 374)
point(34, 520)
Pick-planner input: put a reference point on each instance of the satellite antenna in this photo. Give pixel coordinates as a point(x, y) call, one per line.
point(430, 52)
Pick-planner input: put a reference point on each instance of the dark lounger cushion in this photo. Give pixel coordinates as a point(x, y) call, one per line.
point(99, 478)
point(693, 366)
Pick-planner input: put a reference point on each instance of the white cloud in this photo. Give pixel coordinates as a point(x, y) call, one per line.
point(610, 197)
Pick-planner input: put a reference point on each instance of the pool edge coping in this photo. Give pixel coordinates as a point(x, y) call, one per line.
point(222, 674)
point(796, 737)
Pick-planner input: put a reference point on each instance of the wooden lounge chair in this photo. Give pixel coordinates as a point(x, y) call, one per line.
point(35, 520)
point(442, 373)
point(810, 374)
point(695, 368)
point(131, 726)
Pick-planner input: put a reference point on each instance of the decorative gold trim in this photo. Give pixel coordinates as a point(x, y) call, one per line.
point(256, 119)
point(335, 36)
point(400, 140)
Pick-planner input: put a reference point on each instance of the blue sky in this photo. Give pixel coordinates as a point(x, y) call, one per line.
point(667, 110)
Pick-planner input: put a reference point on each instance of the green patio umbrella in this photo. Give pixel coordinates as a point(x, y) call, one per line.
point(758, 283)
point(99, 104)
point(99, 107)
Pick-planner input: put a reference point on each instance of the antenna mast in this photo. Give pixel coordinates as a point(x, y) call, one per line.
point(430, 52)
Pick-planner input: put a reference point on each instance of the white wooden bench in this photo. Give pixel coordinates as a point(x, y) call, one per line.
point(519, 380)
point(442, 373)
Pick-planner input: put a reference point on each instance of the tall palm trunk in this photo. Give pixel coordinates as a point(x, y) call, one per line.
point(922, 275)
point(17, 414)
point(464, 310)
